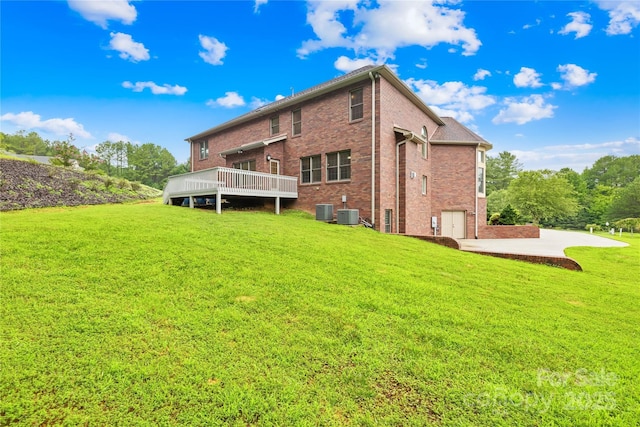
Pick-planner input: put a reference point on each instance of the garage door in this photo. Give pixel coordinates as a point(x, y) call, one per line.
point(453, 224)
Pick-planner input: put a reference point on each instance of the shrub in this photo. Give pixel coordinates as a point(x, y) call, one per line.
point(123, 184)
point(628, 224)
point(135, 186)
point(494, 219)
point(508, 216)
point(595, 227)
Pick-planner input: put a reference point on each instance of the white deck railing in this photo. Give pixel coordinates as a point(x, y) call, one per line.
point(227, 181)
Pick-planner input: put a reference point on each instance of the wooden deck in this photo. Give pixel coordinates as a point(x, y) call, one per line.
point(219, 182)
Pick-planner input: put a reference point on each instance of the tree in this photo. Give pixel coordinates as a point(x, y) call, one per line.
point(66, 154)
point(612, 171)
point(501, 170)
point(542, 194)
point(508, 216)
point(497, 201)
point(150, 164)
point(627, 202)
point(106, 153)
point(31, 144)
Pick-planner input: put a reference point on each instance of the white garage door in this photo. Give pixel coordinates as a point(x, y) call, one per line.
point(454, 224)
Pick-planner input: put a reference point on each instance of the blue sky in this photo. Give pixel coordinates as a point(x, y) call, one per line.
point(557, 83)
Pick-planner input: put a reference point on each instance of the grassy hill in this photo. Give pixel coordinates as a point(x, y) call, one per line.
point(27, 184)
point(144, 314)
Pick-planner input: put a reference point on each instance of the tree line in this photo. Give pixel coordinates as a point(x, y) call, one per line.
point(608, 192)
point(146, 163)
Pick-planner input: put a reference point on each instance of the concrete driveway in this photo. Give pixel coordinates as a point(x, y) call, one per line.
point(550, 243)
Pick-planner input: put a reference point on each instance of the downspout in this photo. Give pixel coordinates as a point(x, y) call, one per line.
point(191, 152)
point(373, 149)
point(475, 186)
point(398, 180)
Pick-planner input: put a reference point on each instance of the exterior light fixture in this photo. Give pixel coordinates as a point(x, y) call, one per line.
point(268, 157)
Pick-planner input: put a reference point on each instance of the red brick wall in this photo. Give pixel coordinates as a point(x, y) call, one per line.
point(508, 232)
point(454, 183)
point(415, 209)
point(325, 129)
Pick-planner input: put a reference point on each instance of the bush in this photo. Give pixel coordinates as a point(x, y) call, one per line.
point(494, 219)
point(628, 224)
point(508, 216)
point(595, 227)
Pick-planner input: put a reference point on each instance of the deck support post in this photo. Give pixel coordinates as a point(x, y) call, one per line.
point(218, 203)
point(191, 203)
point(277, 205)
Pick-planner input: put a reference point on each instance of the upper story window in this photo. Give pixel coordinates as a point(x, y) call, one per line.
point(204, 149)
point(356, 105)
point(339, 166)
point(425, 146)
point(247, 165)
point(296, 122)
point(481, 173)
point(274, 125)
point(310, 169)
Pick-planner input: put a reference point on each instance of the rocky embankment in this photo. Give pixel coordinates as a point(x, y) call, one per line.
point(26, 184)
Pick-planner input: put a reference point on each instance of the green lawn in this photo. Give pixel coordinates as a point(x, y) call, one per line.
point(144, 314)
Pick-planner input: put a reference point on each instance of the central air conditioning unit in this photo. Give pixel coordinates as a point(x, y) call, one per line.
point(348, 216)
point(324, 212)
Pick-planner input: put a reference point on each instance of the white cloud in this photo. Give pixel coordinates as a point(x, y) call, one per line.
point(115, 137)
point(101, 11)
point(378, 29)
point(155, 89)
point(229, 100)
point(129, 49)
point(481, 74)
point(279, 97)
point(527, 77)
point(575, 156)
point(453, 99)
point(624, 15)
point(346, 65)
point(257, 4)
point(579, 24)
point(29, 120)
point(528, 26)
point(523, 110)
point(215, 50)
point(573, 76)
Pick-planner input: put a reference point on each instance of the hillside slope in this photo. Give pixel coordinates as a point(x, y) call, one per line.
point(146, 314)
point(25, 184)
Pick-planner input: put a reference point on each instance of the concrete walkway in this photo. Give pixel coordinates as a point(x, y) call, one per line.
point(550, 243)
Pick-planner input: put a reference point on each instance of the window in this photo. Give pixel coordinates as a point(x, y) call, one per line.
point(481, 172)
point(296, 122)
point(204, 149)
point(310, 169)
point(481, 180)
point(247, 165)
point(388, 216)
point(339, 166)
point(425, 146)
point(274, 125)
point(424, 184)
point(356, 105)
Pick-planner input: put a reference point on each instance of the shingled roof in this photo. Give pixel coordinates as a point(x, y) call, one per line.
point(320, 89)
point(454, 132)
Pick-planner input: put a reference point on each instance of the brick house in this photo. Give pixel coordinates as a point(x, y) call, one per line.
point(364, 137)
